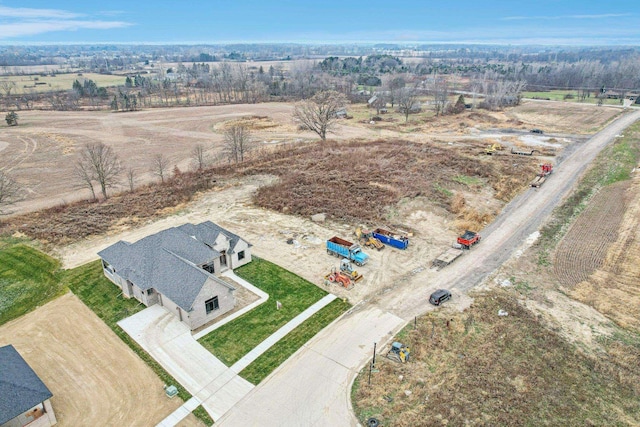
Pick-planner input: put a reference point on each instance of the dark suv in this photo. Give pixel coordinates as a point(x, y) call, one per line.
point(439, 296)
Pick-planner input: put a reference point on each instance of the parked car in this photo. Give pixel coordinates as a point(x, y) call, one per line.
point(539, 131)
point(439, 296)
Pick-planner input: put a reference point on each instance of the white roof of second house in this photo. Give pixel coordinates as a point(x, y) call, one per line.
point(169, 260)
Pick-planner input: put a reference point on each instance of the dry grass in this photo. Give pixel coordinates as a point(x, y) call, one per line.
point(356, 181)
point(71, 222)
point(476, 368)
point(362, 181)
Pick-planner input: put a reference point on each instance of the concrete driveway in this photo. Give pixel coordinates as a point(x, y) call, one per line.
point(310, 388)
point(170, 343)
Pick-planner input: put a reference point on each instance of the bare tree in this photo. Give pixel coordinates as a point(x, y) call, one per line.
point(98, 163)
point(319, 113)
point(440, 93)
point(131, 177)
point(82, 171)
point(199, 156)
point(407, 100)
point(7, 86)
point(160, 165)
point(9, 191)
point(238, 142)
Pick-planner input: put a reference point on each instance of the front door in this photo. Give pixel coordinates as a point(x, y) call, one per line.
point(223, 259)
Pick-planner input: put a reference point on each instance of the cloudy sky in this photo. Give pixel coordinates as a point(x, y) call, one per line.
point(574, 22)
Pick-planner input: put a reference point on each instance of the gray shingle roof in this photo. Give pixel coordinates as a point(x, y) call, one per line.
point(168, 261)
point(20, 387)
point(208, 232)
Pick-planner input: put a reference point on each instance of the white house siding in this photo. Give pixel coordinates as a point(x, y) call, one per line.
point(150, 297)
point(240, 247)
point(198, 315)
point(117, 280)
point(173, 308)
point(47, 417)
point(137, 293)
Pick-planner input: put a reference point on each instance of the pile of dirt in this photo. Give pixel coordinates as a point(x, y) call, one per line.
point(480, 367)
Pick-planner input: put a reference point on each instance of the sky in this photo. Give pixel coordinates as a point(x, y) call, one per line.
point(517, 22)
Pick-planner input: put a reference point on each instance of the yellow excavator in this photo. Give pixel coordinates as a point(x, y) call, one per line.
point(493, 148)
point(366, 239)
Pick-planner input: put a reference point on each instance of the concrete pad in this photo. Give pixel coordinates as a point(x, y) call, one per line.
point(181, 413)
point(170, 343)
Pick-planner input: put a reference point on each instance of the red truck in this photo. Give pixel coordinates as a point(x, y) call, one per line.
point(468, 239)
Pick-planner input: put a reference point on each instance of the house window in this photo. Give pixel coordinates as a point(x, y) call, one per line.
point(240, 255)
point(209, 267)
point(149, 291)
point(211, 304)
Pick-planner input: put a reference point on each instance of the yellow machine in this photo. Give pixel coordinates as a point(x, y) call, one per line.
point(347, 268)
point(366, 239)
point(399, 352)
point(491, 149)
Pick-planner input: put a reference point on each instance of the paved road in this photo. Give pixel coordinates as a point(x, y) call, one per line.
point(313, 388)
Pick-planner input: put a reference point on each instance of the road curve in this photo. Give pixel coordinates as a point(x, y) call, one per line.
point(313, 387)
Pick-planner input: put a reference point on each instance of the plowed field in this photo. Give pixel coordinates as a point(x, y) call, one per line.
point(584, 247)
point(614, 289)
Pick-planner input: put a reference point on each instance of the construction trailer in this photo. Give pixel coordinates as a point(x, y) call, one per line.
point(545, 170)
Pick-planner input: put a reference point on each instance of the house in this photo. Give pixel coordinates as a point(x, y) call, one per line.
point(24, 399)
point(178, 268)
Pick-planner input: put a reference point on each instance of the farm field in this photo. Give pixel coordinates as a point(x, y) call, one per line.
point(40, 153)
point(92, 374)
point(48, 83)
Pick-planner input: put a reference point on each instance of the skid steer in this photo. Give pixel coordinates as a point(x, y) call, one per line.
point(399, 353)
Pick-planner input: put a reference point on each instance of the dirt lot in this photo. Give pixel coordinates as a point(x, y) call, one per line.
point(41, 151)
point(94, 377)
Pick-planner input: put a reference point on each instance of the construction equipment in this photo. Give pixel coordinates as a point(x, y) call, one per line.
point(523, 153)
point(399, 241)
point(345, 249)
point(493, 148)
point(546, 170)
point(339, 278)
point(347, 268)
point(399, 353)
point(468, 239)
point(367, 239)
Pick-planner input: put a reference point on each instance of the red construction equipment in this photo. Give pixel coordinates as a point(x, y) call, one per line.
point(546, 170)
point(339, 278)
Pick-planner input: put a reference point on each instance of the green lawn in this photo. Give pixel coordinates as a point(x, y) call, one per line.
point(232, 341)
point(283, 349)
point(28, 279)
point(559, 95)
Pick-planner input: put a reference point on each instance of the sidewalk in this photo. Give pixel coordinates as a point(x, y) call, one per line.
point(212, 384)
